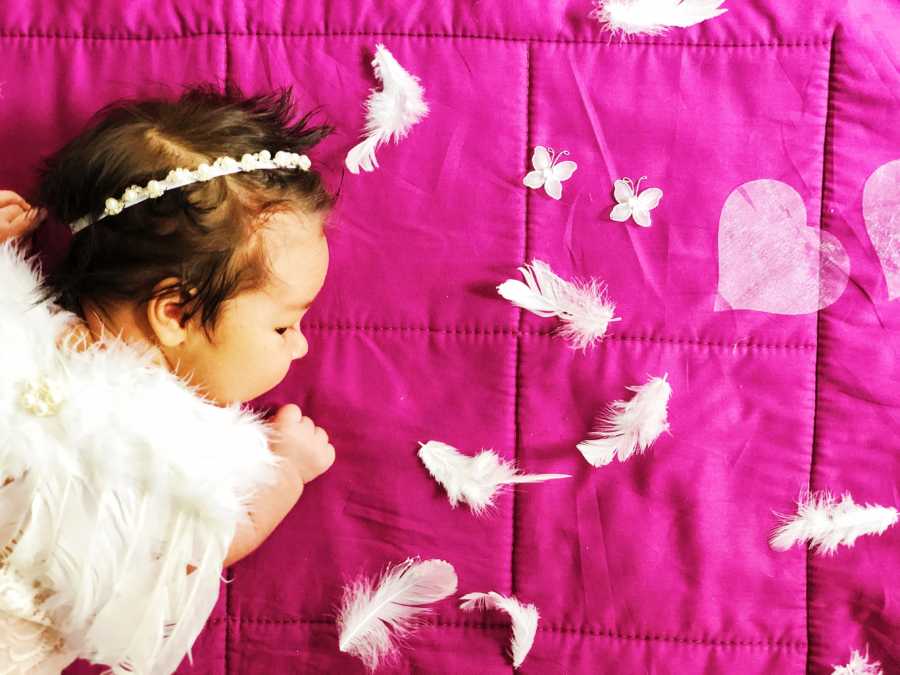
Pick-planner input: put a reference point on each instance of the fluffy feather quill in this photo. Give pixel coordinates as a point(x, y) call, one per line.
point(474, 480)
point(859, 665)
point(652, 17)
point(630, 426)
point(584, 308)
point(390, 113)
point(372, 615)
point(524, 620)
point(826, 524)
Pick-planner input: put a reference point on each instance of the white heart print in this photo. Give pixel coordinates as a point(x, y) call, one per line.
point(881, 211)
point(770, 259)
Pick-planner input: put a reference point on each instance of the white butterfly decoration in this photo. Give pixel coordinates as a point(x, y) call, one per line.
point(634, 205)
point(549, 172)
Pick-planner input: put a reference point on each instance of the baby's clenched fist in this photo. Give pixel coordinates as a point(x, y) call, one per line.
point(299, 441)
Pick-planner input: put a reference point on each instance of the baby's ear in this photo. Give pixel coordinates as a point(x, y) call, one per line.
point(164, 313)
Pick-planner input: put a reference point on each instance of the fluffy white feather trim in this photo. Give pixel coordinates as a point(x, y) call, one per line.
point(583, 307)
point(120, 479)
point(652, 17)
point(524, 620)
point(859, 665)
point(372, 615)
point(390, 113)
point(474, 480)
point(826, 524)
point(630, 426)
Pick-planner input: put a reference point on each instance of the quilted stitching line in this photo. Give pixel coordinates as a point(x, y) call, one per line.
point(515, 332)
point(800, 43)
point(827, 140)
point(599, 632)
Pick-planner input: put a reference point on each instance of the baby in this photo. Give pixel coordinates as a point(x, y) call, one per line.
point(208, 281)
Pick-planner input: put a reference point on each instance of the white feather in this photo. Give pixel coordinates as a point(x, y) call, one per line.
point(372, 615)
point(826, 524)
point(390, 113)
point(630, 426)
point(524, 620)
point(652, 17)
point(584, 308)
point(859, 665)
point(474, 480)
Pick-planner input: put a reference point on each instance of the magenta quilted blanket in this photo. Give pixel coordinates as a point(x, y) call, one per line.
point(772, 122)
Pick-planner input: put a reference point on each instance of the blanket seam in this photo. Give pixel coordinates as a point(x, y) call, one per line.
point(493, 331)
point(551, 628)
point(827, 139)
point(802, 43)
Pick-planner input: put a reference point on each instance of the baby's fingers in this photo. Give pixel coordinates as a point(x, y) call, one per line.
point(8, 197)
point(27, 221)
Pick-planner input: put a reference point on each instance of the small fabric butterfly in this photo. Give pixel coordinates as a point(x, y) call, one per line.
point(634, 205)
point(547, 172)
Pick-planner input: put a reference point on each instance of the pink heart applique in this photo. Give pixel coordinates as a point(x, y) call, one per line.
point(770, 259)
point(881, 211)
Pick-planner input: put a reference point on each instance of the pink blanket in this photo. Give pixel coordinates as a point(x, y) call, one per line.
point(656, 565)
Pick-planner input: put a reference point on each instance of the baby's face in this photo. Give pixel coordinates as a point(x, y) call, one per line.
point(258, 334)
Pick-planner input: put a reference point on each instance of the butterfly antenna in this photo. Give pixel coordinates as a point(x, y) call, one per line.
point(636, 187)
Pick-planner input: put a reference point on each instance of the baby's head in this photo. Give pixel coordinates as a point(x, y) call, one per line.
point(216, 274)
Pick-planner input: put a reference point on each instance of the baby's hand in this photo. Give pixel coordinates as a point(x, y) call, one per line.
point(299, 441)
point(17, 217)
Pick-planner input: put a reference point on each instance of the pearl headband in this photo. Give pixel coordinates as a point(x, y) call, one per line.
point(180, 177)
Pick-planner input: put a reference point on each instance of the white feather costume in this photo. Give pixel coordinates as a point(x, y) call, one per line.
point(115, 476)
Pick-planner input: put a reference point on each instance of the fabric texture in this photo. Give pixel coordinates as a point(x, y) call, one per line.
point(655, 565)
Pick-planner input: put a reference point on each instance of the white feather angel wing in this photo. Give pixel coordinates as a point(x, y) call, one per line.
point(630, 426)
point(584, 308)
point(652, 17)
point(371, 615)
point(106, 506)
point(474, 480)
point(826, 524)
point(390, 113)
point(524, 620)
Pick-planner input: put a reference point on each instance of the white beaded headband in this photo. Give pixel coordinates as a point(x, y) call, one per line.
point(180, 177)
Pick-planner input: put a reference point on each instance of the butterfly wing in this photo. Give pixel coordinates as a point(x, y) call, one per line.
point(649, 198)
point(623, 192)
point(534, 179)
point(564, 170)
point(620, 213)
point(553, 187)
point(540, 159)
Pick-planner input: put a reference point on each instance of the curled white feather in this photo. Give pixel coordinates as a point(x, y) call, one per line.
point(583, 307)
point(652, 17)
point(630, 426)
point(826, 524)
point(390, 113)
point(372, 615)
point(474, 480)
point(524, 620)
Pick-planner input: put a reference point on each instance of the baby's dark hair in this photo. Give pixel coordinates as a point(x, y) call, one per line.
point(201, 234)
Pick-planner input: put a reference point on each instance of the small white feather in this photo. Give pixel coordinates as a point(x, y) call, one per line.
point(826, 524)
point(652, 17)
point(371, 616)
point(524, 620)
point(583, 307)
point(474, 480)
point(390, 113)
point(859, 665)
point(630, 426)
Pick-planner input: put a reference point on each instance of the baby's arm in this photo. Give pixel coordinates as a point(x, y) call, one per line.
point(17, 217)
point(306, 454)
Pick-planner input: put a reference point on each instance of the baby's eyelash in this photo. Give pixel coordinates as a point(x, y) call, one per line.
point(282, 331)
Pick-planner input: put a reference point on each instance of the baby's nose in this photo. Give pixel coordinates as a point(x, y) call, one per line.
point(302, 346)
